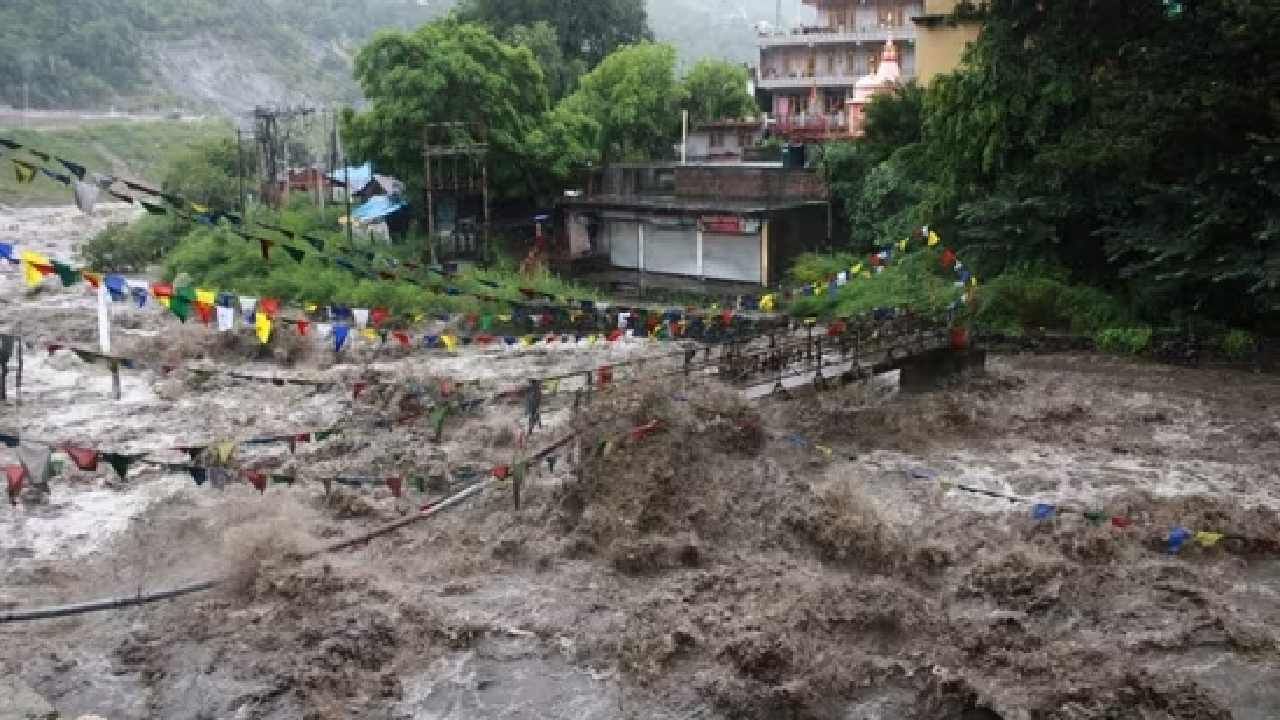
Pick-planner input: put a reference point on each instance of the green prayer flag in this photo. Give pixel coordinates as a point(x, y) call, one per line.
point(120, 463)
point(67, 274)
point(181, 302)
point(1095, 517)
point(419, 483)
point(438, 415)
point(486, 322)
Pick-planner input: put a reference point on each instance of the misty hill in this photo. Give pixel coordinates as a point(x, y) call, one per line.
point(228, 55)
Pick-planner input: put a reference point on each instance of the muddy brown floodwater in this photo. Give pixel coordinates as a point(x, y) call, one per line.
point(774, 559)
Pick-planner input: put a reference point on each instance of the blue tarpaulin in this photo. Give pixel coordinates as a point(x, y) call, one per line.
point(357, 177)
point(379, 206)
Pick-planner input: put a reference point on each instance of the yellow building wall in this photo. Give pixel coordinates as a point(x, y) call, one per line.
point(940, 48)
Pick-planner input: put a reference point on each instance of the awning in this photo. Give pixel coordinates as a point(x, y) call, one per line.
point(357, 177)
point(378, 207)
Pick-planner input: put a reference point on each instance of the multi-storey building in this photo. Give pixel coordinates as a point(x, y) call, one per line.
point(808, 76)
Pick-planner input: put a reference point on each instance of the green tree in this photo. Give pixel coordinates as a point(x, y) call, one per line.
point(207, 172)
point(561, 72)
point(634, 100)
point(716, 90)
point(447, 71)
point(587, 31)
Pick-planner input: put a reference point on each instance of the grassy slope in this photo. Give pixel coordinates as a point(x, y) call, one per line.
point(137, 150)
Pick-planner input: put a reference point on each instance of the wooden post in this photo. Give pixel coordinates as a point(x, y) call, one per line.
point(431, 207)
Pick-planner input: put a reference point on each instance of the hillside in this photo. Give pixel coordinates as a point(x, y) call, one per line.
point(228, 55)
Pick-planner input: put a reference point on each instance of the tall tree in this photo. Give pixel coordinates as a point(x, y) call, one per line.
point(634, 100)
point(1122, 140)
point(586, 30)
point(561, 72)
point(446, 71)
point(716, 90)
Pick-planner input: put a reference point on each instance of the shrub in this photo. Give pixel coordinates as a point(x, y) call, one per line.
point(132, 247)
point(1036, 297)
point(1238, 344)
point(914, 281)
point(1124, 341)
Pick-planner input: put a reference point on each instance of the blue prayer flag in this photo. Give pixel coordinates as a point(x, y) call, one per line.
point(1177, 538)
point(340, 333)
point(1042, 511)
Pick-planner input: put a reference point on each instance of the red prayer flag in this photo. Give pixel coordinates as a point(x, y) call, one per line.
point(85, 458)
point(161, 290)
point(270, 307)
point(359, 388)
point(379, 315)
point(502, 472)
point(551, 338)
point(726, 317)
point(256, 479)
point(837, 328)
point(204, 311)
point(396, 485)
point(874, 260)
point(948, 258)
point(604, 376)
point(484, 339)
point(16, 475)
point(646, 430)
point(94, 279)
point(402, 337)
point(615, 336)
point(1121, 522)
point(303, 326)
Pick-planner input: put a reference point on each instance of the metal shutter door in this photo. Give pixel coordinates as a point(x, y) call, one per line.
point(623, 238)
point(731, 257)
point(671, 250)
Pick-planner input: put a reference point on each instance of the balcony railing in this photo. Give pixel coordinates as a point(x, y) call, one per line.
point(806, 81)
point(827, 122)
point(827, 36)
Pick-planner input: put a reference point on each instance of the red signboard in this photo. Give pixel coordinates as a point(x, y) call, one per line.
point(728, 224)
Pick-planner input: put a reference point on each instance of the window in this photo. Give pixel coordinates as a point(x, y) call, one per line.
point(744, 139)
point(717, 139)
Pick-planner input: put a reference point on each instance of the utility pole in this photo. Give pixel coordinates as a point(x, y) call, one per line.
point(346, 194)
point(240, 166)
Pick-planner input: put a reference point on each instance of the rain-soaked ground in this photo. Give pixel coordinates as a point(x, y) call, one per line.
point(811, 558)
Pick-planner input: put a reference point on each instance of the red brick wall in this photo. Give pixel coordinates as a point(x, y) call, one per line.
point(749, 183)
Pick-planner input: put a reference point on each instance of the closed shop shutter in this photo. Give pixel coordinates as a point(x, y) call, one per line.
point(731, 257)
point(623, 237)
point(671, 250)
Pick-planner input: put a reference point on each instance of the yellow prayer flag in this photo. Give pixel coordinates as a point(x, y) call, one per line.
point(311, 307)
point(202, 209)
point(855, 269)
point(528, 340)
point(811, 321)
point(164, 300)
point(207, 297)
point(262, 325)
point(766, 303)
point(1208, 539)
point(370, 334)
point(29, 262)
point(450, 342)
point(824, 450)
point(934, 239)
point(593, 339)
point(224, 451)
point(902, 245)
point(504, 318)
point(973, 281)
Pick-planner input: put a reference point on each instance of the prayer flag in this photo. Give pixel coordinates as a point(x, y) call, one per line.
point(257, 479)
point(934, 239)
point(1043, 511)
point(1208, 539)
point(262, 326)
point(24, 171)
point(396, 485)
point(68, 275)
point(450, 342)
point(1177, 538)
point(302, 326)
point(270, 306)
point(340, 333)
point(362, 317)
point(378, 316)
point(226, 319)
point(34, 267)
point(16, 476)
point(84, 458)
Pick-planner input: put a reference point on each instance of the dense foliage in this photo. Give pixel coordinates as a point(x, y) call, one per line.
point(716, 90)
point(1120, 141)
point(587, 31)
point(633, 96)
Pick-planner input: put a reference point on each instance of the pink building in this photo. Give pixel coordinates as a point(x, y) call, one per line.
point(817, 78)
